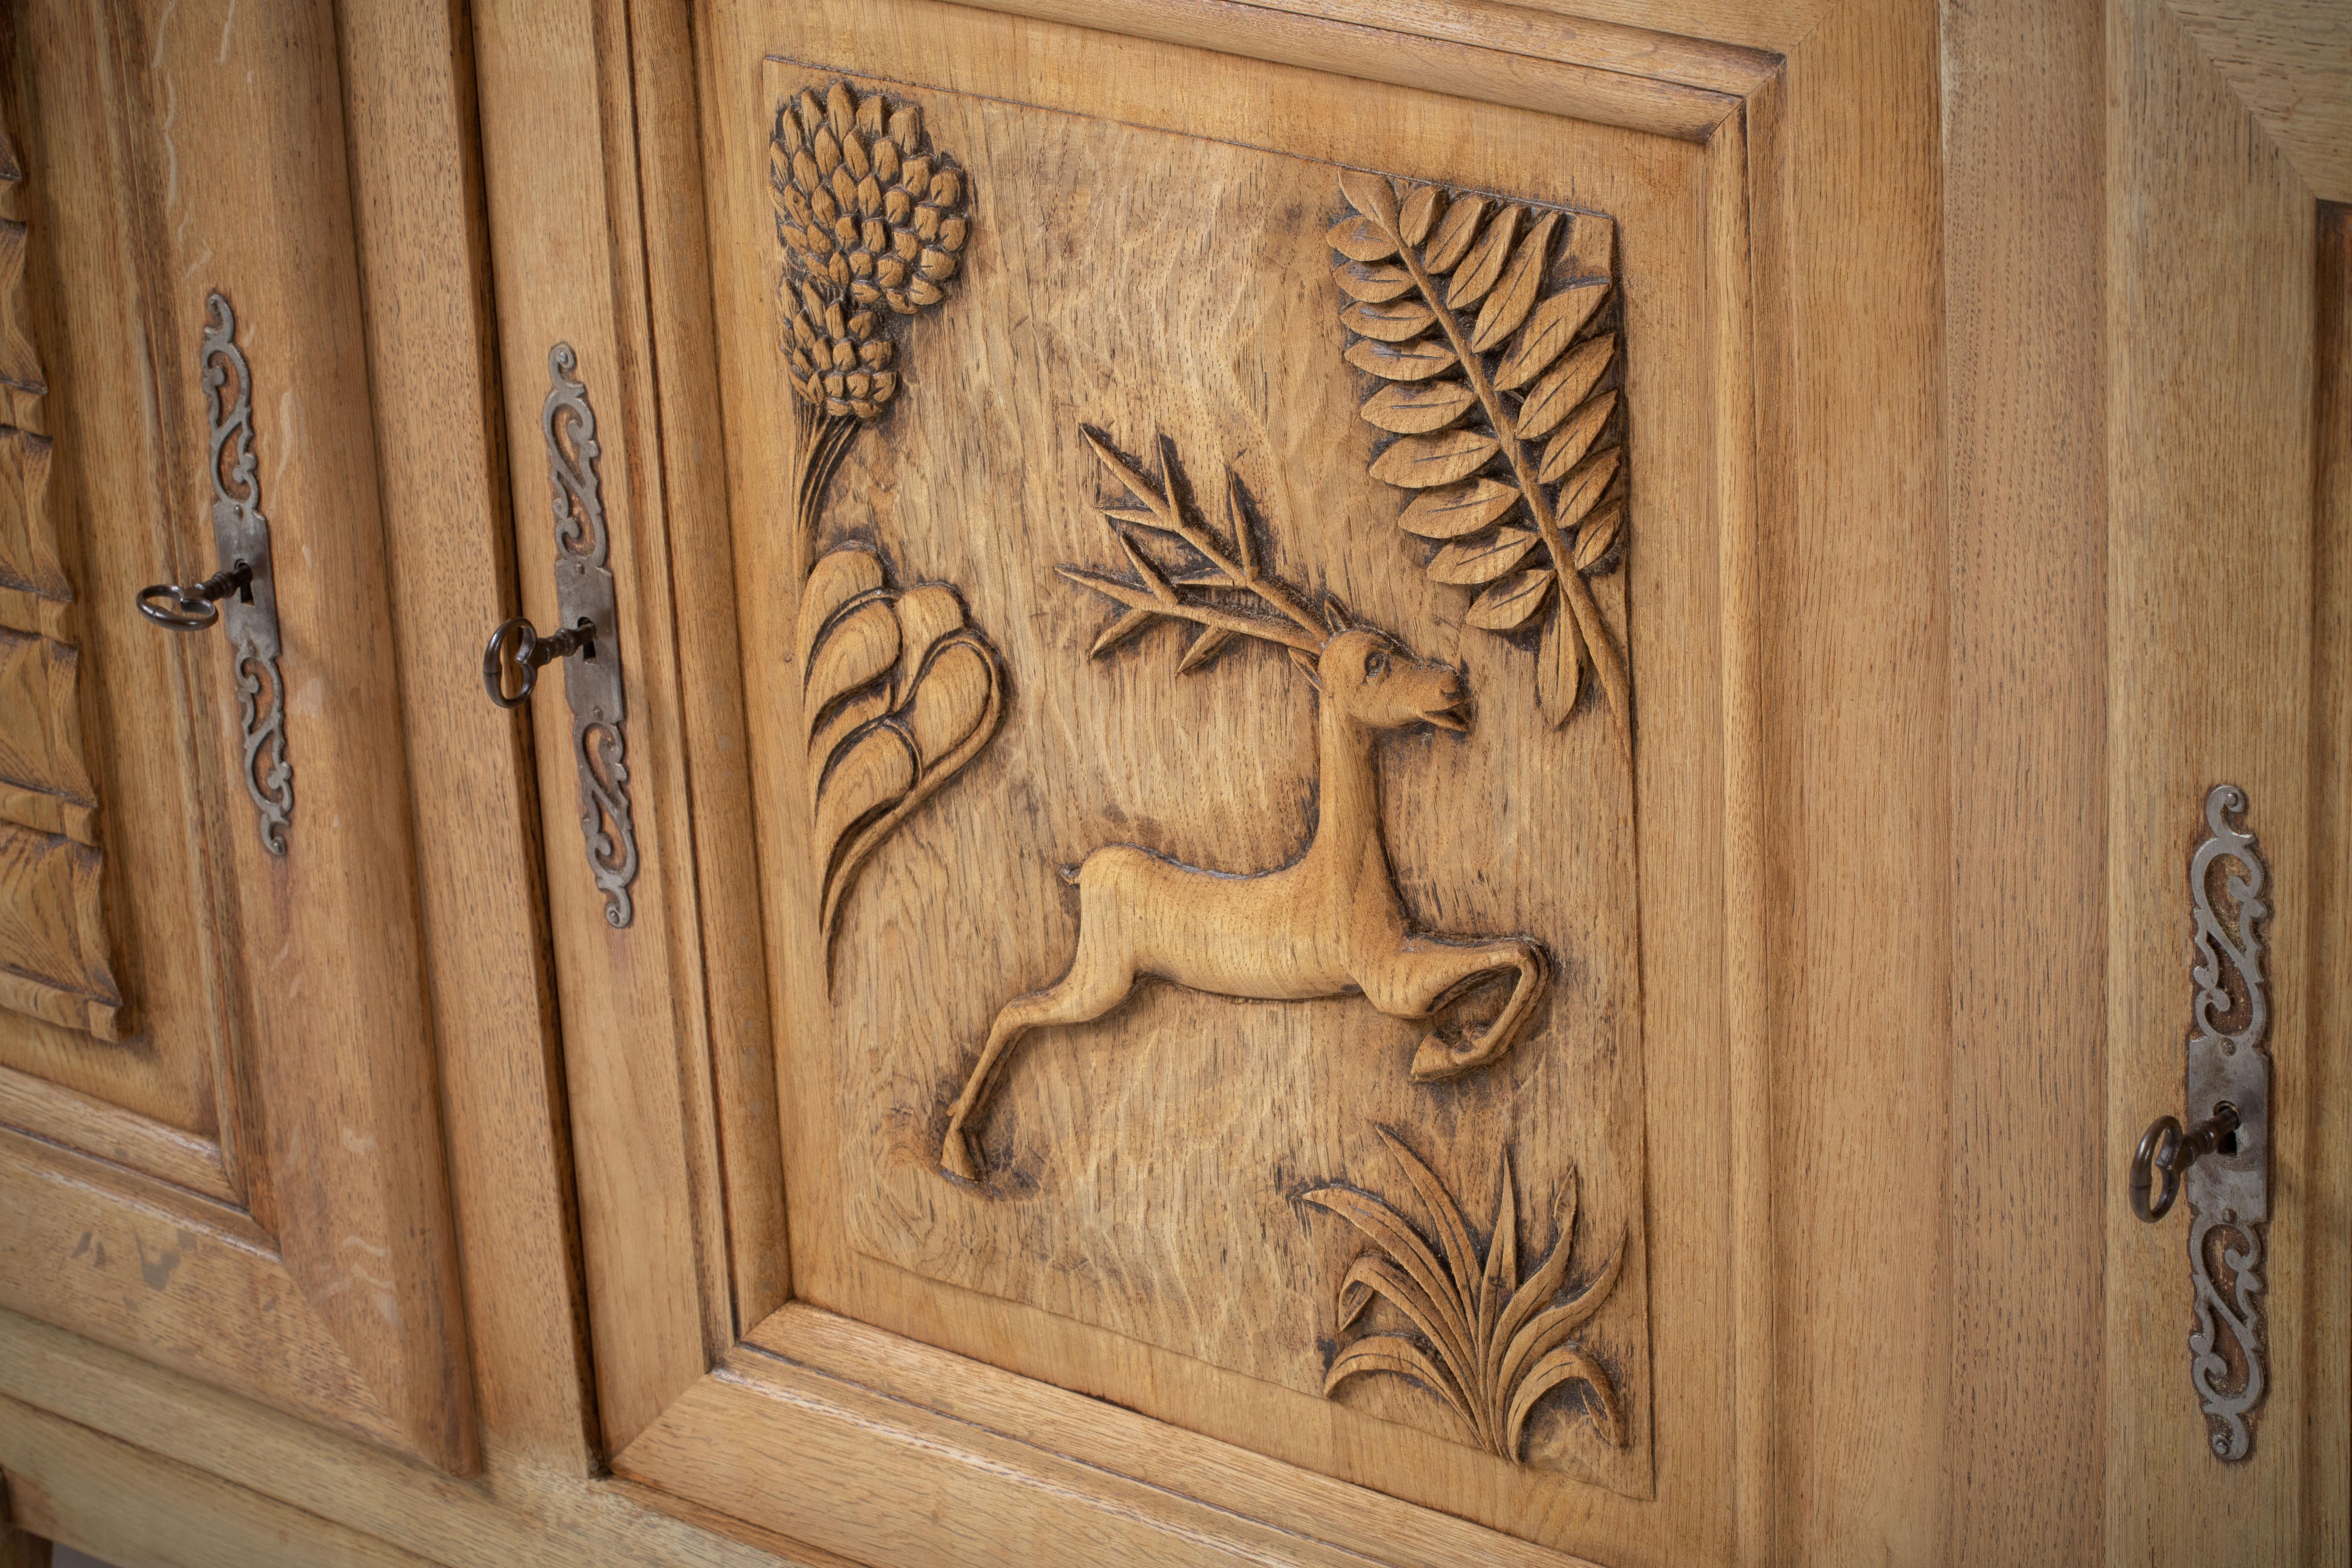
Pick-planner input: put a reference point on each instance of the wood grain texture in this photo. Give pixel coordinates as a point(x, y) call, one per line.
point(667, 92)
point(1497, 53)
point(2026, 492)
point(2210, 578)
point(2290, 63)
point(128, 1509)
point(111, 1132)
point(53, 929)
point(1089, 1138)
point(356, 1188)
point(1891, 614)
point(408, 91)
point(712, 1522)
point(1717, 24)
point(1726, 51)
point(1487, 1340)
point(1854, 675)
point(521, 1511)
point(55, 957)
point(19, 1548)
point(161, 787)
point(652, 1223)
point(1770, 152)
point(1328, 923)
point(1848, 672)
point(1540, 314)
point(195, 1287)
point(819, 1350)
point(306, 1055)
point(46, 783)
point(1377, 69)
point(829, 1461)
point(1877, 681)
point(900, 693)
point(726, 337)
point(2328, 1454)
point(1736, 218)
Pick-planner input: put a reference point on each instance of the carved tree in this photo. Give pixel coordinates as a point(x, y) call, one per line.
point(871, 221)
point(898, 692)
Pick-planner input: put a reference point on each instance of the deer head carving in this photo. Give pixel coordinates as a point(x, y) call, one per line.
point(1375, 681)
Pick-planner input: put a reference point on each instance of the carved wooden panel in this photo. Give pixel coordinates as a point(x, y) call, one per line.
point(1255, 974)
point(250, 1189)
point(54, 942)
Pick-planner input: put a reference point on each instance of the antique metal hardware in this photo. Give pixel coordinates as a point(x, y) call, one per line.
point(588, 639)
point(2223, 1162)
point(517, 645)
point(195, 606)
point(2166, 1149)
point(243, 592)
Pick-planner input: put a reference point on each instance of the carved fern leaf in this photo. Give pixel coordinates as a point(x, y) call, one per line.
point(1489, 1344)
point(1484, 326)
point(898, 694)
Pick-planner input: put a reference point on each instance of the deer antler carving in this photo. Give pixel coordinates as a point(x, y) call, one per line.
point(1331, 923)
point(1159, 595)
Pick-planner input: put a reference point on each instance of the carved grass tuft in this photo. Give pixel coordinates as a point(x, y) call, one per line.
point(1489, 1344)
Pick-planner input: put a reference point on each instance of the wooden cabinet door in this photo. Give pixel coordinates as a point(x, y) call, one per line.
point(219, 1143)
point(1347, 732)
point(1244, 568)
point(2226, 1404)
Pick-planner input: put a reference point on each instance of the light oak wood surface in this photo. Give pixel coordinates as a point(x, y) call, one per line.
point(1318, 365)
point(650, 1227)
point(417, 192)
point(2025, 486)
point(18, 1548)
point(2211, 649)
point(1968, 382)
point(54, 931)
point(2326, 1521)
point(126, 1509)
point(327, 1280)
point(2290, 63)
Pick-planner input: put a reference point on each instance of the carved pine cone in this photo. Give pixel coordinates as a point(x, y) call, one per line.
point(840, 360)
point(867, 217)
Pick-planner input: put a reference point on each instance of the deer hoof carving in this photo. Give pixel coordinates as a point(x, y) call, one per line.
point(1329, 923)
point(956, 1156)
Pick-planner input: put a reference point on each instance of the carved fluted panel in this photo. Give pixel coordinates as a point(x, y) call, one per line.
point(54, 943)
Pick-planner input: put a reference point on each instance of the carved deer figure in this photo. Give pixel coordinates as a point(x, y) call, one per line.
point(1330, 924)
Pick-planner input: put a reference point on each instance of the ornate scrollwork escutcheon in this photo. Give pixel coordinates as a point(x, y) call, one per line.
point(242, 535)
point(2221, 1163)
point(243, 594)
point(587, 614)
point(586, 638)
point(2229, 1191)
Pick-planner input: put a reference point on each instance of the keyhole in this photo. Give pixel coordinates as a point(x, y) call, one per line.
point(2228, 1146)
